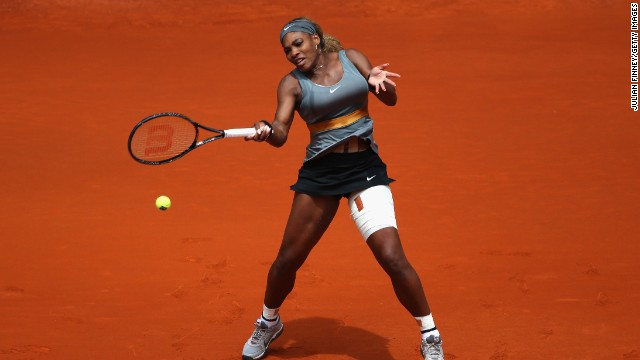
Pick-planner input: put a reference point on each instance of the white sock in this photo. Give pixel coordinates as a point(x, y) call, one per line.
point(269, 316)
point(427, 326)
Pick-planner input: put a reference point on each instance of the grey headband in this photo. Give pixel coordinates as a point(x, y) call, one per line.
point(298, 26)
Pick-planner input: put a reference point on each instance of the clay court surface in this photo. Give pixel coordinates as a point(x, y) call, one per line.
point(515, 149)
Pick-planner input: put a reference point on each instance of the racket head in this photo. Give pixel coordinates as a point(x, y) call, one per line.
point(162, 138)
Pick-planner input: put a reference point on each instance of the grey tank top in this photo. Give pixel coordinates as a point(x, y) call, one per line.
point(322, 103)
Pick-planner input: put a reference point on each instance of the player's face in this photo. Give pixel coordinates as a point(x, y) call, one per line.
point(301, 50)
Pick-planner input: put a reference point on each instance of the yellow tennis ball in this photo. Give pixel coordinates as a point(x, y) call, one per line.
point(163, 202)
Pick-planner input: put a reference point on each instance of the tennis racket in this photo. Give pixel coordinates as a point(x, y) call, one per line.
point(166, 137)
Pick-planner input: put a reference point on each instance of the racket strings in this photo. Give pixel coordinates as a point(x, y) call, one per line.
point(163, 138)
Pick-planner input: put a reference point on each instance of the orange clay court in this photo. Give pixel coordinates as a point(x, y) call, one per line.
point(515, 148)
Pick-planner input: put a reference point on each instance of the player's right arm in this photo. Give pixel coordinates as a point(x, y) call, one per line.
point(288, 94)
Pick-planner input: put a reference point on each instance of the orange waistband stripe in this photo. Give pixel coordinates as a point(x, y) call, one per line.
point(338, 122)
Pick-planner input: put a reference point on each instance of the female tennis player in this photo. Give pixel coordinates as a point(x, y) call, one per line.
point(329, 89)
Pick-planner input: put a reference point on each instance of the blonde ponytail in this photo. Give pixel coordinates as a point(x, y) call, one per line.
point(331, 44)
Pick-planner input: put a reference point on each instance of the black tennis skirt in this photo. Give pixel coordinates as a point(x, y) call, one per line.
point(340, 174)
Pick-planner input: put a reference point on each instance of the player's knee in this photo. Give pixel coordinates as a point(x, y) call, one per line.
point(288, 262)
point(394, 263)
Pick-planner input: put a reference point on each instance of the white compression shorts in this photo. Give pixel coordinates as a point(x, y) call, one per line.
point(372, 209)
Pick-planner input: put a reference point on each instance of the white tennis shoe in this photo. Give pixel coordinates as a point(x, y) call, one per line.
point(431, 348)
point(257, 345)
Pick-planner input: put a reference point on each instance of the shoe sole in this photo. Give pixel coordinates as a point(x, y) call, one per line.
point(277, 335)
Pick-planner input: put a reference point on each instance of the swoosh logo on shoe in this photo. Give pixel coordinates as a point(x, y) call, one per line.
point(334, 89)
point(369, 178)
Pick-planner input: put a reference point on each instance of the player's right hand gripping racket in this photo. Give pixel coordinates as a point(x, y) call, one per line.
point(166, 137)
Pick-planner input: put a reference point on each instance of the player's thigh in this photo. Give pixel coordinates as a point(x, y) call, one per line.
point(372, 209)
point(309, 218)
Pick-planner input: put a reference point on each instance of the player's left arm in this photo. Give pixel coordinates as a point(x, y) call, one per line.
point(378, 77)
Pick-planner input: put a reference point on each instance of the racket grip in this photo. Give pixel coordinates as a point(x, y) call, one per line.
point(239, 132)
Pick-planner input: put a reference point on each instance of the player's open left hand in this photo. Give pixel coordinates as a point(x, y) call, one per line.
point(378, 76)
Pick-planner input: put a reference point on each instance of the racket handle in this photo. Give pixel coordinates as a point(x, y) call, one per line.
point(239, 132)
